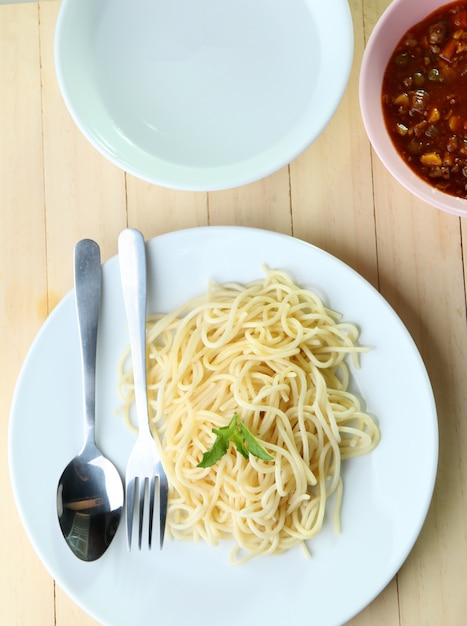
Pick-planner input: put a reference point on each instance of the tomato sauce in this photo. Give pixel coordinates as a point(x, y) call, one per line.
point(424, 98)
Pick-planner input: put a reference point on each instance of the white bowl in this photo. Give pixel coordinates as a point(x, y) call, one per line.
point(398, 18)
point(202, 95)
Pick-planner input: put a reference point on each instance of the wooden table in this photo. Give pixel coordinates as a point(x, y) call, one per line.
point(55, 189)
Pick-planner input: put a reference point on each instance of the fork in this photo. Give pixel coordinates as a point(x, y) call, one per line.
point(144, 472)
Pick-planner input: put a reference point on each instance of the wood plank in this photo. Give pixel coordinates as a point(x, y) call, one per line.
point(85, 193)
point(332, 207)
point(84, 197)
point(263, 204)
point(421, 274)
point(155, 210)
point(332, 195)
point(26, 589)
point(464, 249)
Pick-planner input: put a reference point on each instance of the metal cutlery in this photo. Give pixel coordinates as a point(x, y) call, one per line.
point(144, 474)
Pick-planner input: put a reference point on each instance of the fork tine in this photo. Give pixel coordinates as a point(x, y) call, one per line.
point(142, 483)
point(163, 497)
point(152, 488)
point(130, 506)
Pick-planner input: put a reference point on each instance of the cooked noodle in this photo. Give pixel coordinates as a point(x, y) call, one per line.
point(275, 355)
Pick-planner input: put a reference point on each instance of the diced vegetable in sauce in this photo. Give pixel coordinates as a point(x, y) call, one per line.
point(424, 98)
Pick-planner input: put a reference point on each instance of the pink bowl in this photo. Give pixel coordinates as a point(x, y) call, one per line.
point(398, 18)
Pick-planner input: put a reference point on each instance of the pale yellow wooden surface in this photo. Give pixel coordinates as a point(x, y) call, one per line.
point(55, 189)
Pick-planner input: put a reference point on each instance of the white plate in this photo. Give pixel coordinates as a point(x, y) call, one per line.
point(386, 493)
point(203, 95)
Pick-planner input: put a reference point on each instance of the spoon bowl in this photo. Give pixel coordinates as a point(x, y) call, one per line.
point(90, 490)
point(89, 503)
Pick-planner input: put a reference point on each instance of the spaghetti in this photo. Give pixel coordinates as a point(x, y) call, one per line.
point(272, 353)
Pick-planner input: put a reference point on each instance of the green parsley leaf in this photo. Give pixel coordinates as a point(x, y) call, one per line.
point(216, 452)
point(252, 444)
point(237, 433)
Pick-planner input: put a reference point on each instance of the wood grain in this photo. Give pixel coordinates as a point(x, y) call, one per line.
point(56, 189)
point(26, 590)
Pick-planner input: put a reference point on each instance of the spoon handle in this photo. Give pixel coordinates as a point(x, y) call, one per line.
point(132, 256)
point(87, 268)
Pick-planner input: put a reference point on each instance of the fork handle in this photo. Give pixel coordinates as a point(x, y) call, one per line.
point(132, 257)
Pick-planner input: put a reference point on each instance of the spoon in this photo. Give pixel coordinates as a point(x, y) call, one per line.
point(90, 490)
